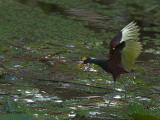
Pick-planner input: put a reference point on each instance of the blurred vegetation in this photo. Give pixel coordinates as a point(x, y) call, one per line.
point(138, 112)
point(41, 42)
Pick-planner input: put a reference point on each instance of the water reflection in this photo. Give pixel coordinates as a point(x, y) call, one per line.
point(72, 115)
point(94, 113)
point(56, 94)
point(58, 101)
point(73, 108)
point(142, 98)
point(29, 100)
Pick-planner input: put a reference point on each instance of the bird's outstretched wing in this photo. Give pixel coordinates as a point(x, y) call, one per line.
point(129, 53)
point(124, 47)
point(129, 32)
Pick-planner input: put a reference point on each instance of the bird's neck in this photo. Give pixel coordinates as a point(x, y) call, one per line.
point(101, 62)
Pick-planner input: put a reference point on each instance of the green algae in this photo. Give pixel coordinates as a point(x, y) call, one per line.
point(39, 43)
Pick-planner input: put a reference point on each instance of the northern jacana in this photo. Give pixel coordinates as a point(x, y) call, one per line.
point(124, 49)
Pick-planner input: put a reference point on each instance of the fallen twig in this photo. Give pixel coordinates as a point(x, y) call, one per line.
point(9, 94)
point(3, 66)
point(58, 81)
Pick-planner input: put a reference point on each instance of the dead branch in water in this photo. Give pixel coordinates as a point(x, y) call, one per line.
point(58, 81)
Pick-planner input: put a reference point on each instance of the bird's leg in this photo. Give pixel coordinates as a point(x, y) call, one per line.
point(112, 96)
point(125, 92)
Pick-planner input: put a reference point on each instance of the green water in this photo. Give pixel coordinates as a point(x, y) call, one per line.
point(43, 40)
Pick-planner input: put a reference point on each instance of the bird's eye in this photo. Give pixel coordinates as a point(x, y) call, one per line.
point(113, 48)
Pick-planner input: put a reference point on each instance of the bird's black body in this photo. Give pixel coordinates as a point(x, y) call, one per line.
point(115, 69)
point(103, 63)
point(112, 65)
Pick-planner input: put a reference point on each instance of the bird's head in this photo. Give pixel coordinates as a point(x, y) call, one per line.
point(84, 60)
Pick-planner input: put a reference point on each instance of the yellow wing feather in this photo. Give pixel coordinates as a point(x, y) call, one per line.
point(129, 53)
point(130, 32)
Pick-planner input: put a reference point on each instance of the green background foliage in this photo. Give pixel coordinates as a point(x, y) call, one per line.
point(44, 39)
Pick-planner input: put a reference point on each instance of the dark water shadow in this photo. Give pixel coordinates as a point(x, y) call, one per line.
point(50, 7)
point(46, 7)
point(67, 91)
point(92, 18)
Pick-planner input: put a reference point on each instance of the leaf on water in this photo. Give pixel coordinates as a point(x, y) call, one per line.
point(12, 107)
point(16, 117)
point(138, 112)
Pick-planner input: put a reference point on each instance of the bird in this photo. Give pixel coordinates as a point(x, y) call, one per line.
point(124, 49)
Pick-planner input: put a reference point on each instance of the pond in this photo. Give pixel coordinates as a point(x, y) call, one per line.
point(41, 44)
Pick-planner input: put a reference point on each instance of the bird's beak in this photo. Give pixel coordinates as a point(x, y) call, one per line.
point(80, 63)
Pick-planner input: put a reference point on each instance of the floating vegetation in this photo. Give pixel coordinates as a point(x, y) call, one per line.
point(42, 42)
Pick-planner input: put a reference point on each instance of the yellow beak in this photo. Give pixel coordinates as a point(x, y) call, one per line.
point(80, 64)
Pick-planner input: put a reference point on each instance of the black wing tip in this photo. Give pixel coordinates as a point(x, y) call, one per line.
point(121, 45)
